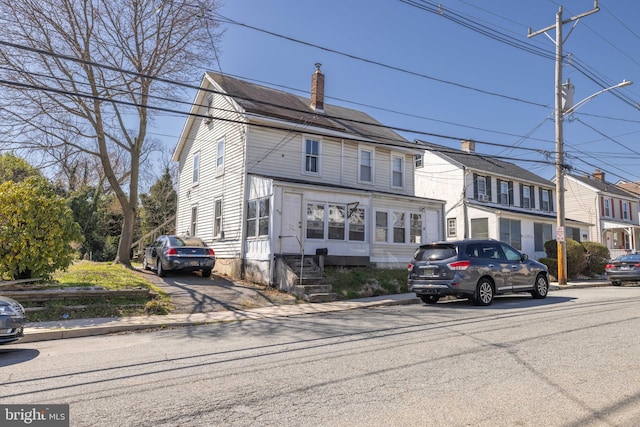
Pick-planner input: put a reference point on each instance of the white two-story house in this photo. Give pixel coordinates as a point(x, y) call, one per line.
point(265, 173)
point(612, 211)
point(491, 198)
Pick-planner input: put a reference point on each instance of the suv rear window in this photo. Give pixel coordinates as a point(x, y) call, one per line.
point(435, 252)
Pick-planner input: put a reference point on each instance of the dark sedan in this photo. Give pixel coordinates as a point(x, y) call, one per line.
point(11, 320)
point(179, 253)
point(625, 268)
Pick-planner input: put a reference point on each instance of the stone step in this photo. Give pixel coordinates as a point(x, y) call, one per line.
point(313, 289)
point(321, 297)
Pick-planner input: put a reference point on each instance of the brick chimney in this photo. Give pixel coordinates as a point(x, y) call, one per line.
point(598, 174)
point(317, 90)
point(469, 146)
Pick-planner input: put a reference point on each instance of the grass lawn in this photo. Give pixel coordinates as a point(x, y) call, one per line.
point(349, 283)
point(87, 274)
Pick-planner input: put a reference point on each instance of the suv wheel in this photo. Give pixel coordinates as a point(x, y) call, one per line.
point(484, 292)
point(429, 299)
point(541, 287)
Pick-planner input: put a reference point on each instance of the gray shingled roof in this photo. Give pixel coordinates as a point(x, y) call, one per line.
point(277, 104)
point(604, 186)
point(485, 162)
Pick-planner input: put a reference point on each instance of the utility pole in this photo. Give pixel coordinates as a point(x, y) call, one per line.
point(559, 116)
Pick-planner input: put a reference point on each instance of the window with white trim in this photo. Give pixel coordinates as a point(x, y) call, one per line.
point(196, 168)
point(399, 235)
point(606, 207)
point(315, 221)
point(504, 193)
point(415, 228)
point(545, 204)
point(337, 221)
point(397, 172)
point(419, 161)
point(365, 159)
point(258, 217)
point(357, 225)
point(382, 226)
point(526, 197)
point(452, 227)
point(220, 157)
point(194, 221)
point(311, 155)
point(625, 210)
point(217, 217)
point(481, 183)
point(337, 217)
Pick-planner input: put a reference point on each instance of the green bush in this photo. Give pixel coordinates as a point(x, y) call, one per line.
point(37, 230)
point(551, 248)
point(552, 265)
point(597, 258)
point(576, 258)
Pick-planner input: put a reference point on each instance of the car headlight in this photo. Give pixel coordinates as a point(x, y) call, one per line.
point(8, 310)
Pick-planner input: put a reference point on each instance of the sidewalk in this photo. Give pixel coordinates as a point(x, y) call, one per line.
point(43, 331)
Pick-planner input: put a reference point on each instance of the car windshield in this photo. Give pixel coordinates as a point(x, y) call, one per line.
point(629, 258)
point(435, 252)
point(186, 241)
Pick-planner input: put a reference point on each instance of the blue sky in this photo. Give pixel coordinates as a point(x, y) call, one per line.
point(420, 71)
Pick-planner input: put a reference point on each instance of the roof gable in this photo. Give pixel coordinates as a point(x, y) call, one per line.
point(603, 186)
point(485, 163)
point(277, 104)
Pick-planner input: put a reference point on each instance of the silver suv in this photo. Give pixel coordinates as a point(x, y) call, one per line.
point(474, 269)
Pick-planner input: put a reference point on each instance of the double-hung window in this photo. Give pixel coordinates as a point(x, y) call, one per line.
point(625, 211)
point(220, 157)
point(258, 217)
point(606, 207)
point(366, 166)
point(526, 197)
point(217, 218)
point(311, 154)
point(545, 200)
point(196, 168)
point(397, 172)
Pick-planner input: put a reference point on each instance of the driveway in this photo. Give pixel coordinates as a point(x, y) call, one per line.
point(192, 293)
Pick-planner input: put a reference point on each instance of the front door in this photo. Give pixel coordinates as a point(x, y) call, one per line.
point(291, 230)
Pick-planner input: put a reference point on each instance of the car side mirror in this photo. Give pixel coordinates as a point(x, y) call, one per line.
point(524, 257)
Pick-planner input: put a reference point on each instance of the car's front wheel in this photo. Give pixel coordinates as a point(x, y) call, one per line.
point(429, 299)
point(161, 271)
point(484, 292)
point(616, 283)
point(541, 287)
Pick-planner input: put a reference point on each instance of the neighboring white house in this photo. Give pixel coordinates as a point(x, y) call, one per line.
point(265, 173)
point(490, 198)
point(612, 211)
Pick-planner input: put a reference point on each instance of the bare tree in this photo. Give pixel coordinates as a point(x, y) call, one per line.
point(92, 69)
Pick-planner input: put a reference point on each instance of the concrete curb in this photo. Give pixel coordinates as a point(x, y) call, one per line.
point(91, 327)
point(45, 331)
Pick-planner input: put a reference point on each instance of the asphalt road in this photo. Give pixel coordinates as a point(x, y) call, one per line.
point(569, 360)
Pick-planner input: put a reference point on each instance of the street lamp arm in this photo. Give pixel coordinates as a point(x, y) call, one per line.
point(589, 98)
